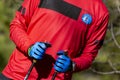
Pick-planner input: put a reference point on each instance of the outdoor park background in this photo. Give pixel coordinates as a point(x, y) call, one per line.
point(107, 64)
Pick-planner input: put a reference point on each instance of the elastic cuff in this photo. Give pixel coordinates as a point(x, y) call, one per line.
point(29, 51)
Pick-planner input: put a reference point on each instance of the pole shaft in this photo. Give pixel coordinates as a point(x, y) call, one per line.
point(30, 69)
point(54, 75)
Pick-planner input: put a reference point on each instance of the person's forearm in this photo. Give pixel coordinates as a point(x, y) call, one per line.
point(19, 35)
point(84, 61)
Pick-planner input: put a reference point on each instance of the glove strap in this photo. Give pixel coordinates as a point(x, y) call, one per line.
point(73, 66)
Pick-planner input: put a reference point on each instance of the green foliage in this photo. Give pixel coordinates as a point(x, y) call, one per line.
point(6, 46)
point(5, 50)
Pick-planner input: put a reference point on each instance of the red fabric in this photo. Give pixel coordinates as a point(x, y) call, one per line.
point(64, 33)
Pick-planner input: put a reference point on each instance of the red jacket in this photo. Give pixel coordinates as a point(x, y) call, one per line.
point(63, 23)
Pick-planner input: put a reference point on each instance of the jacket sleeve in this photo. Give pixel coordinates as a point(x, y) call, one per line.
point(19, 25)
point(94, 40)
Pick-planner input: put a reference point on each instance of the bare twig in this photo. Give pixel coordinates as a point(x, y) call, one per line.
point(110, 39)
point(118, 5)
point(113, 35)
point(112, 66)
point(104, 73)
point(114, 70)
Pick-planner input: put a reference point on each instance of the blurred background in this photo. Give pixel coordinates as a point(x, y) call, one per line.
point(106, 65)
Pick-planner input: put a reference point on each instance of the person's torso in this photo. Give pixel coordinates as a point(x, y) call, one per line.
point(63, 23)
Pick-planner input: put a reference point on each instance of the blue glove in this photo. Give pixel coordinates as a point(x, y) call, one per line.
point(37, 51)
point(63, 62)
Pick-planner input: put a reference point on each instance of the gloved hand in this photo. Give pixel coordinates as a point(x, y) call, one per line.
point(37, 51)
point(63, 62)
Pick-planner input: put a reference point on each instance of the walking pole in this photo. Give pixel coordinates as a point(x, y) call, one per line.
point(33, 63)
point(55, 73)
point(30, 69)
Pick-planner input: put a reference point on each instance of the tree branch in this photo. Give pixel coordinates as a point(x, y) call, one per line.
point(113, 36)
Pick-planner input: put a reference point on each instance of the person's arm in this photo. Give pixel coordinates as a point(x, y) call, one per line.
point(19, 25)
point(94, 40)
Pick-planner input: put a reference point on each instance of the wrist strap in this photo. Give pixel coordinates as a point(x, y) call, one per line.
point(73, 66)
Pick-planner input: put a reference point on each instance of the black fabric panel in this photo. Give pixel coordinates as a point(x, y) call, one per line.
point(22, 10)
point(62, 7)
